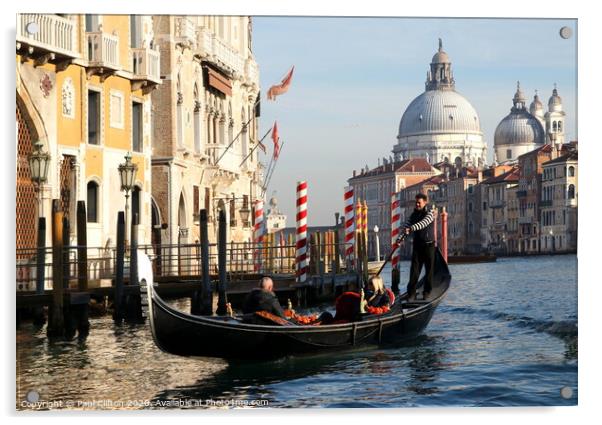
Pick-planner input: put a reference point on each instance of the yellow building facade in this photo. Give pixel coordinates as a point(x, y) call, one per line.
point(83, 91)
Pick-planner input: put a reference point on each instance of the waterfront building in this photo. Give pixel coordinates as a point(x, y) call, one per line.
point(512, 214)
point(529, 195)
point(376, 186)
point(559, 194)
point(457, 195)
point(499, 199)
point(83, 92)
point(441, 124)
point(208, 101)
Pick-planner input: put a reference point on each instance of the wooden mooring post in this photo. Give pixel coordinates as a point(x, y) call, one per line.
point(201, 302)
point(118, 301)
point(56, 323)
point(222, 263)
point(133, 302)
point(80, 311)
point(38, 312)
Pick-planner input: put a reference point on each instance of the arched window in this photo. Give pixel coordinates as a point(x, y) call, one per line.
point(136, 203)
point(92, 202)
point(559, 126)
point(554, 126)
point(572, 191)
point(571, 171)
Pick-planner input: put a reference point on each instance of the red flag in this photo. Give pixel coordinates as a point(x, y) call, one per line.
point(281, 88)
point(275, 139)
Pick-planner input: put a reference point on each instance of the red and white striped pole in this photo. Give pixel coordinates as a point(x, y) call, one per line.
point(258, 234)
point(349, 223)
point(301, 239)
point(444, 233)
point(395, 227)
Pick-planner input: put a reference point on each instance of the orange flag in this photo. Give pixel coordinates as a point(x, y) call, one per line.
point(278, 89)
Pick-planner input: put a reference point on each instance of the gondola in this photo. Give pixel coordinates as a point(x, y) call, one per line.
point(184, 334)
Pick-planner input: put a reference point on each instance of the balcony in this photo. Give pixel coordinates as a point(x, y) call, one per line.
point(54, 38)
point(103, 53)
point(571, 202)
point(185, 33)
point(146, 65)
point(525, 220)
point(219, 53)
point(521, 193)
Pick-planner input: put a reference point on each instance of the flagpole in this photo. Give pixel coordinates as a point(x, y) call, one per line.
point(255, 147)
point(272, 171)
point(239, 133)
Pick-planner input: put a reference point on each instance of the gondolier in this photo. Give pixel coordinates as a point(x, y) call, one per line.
point(420, 224)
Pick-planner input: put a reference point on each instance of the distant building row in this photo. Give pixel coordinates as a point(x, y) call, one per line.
point(527, 207)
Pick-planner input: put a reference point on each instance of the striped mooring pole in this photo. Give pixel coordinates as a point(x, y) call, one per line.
point(395, 227)
point(349, 224)
point(301, 235)
point(258, 234)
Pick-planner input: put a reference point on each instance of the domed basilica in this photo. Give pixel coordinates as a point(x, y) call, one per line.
point(441, 124)
point(522, 131)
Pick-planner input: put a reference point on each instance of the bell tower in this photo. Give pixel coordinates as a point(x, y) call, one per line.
point(555, 118)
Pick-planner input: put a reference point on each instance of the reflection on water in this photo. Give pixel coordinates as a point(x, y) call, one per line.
point(505, 335)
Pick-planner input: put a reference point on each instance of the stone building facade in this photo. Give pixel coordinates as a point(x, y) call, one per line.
point(528, 195)
point(83, 92)
point(559, 194)
point(499, 199)
point(205, 127)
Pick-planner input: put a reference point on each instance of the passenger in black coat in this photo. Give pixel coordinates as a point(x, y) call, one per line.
point(263, 299)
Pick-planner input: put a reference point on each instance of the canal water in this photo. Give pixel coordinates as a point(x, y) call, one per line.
point(506, 335)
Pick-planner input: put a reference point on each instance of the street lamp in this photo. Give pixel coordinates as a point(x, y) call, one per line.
point(127, 175)
point(244, 214)
point(377, 242)
point(39, 162)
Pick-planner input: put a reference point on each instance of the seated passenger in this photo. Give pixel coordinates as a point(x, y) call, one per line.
point(376, 294)
point(263, 299)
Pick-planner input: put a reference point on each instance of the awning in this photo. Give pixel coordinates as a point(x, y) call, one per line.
point(219, 82)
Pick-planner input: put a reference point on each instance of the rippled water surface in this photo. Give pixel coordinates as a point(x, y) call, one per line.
point(506, 335)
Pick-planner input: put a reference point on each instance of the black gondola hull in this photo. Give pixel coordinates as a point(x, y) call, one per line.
point(183, 334)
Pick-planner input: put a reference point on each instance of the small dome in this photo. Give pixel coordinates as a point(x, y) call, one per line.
point(555, 99)
point(440, 57)
point(519, 97)
point(518, 128)
point(536, 105)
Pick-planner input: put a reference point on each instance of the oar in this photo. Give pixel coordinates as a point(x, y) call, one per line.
point(395, 246)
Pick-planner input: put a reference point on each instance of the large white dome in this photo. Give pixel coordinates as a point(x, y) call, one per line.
point(439, 111)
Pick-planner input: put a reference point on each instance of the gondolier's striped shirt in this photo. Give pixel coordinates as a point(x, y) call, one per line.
point(422, 224)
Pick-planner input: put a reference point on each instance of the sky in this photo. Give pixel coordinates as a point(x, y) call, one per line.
point(354, 78)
